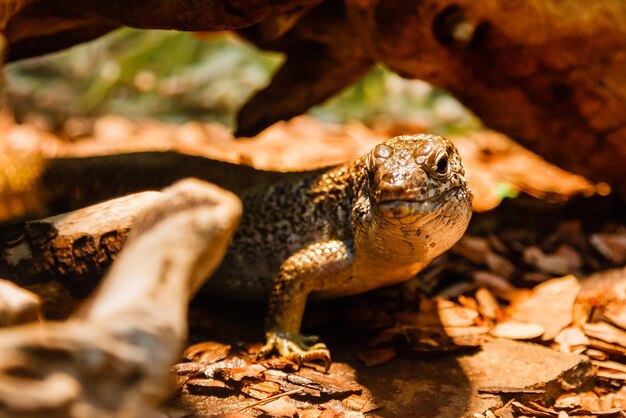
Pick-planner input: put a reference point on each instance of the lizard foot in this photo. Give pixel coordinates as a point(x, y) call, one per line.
point(297, 348)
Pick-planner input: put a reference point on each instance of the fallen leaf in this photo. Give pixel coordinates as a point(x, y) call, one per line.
point(550, 304)
point(208, 352)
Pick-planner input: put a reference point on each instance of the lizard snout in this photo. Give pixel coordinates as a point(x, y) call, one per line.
point(398, 185)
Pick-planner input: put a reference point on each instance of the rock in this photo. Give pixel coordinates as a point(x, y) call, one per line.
point(513, 364)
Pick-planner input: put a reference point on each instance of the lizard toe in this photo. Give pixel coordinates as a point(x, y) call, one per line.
point(296, 348)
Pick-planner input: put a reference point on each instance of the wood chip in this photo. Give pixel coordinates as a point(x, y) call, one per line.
point(376, 356)
point(589, 401)
point(610, 365)
point(605, 332)
point(514, 330)
point(487, 303)
point(280, 377)
point(189, 369)
point(532, 411)
point(208, 387)
point(261, 390)
point(570, 338)
point(360, 403)
point(596, 354)
point(325, 384)
point(281, 407)
point(499, 390)
point(453, 315)
point(567, 401)
point(615, 312)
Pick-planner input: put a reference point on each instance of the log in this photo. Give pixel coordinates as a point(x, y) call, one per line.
point(62, 258)
point(113, 357)
point(37, 27)
point(549, 74)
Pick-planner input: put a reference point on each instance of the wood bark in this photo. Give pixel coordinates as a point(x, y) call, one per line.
point(550, 74)
point(63, 258)
point(36, 27)
point(113, 357)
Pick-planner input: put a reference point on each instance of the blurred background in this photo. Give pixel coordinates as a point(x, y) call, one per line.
point(177, 77)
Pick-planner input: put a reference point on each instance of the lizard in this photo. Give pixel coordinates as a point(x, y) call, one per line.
point(332, 232)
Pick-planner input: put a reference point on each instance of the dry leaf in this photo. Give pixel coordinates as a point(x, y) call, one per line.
point(208, 352)
point(550, 305)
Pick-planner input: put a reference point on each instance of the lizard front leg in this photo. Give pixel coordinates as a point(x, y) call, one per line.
point(318, 267)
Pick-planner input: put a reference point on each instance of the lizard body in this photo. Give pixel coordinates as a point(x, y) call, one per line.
point(365, 224)
point(332, 232)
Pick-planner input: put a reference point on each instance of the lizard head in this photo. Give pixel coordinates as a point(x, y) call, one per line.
point(418, 196)
point(415, 175)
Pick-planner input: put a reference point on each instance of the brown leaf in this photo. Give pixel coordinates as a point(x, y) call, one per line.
point(550, 305)
point(208, 352)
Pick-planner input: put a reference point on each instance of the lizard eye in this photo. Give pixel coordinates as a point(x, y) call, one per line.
point(382, 151)
point(442, 165)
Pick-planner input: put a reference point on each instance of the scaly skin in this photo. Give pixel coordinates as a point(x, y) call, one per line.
point(365, 224)
point(344, 230)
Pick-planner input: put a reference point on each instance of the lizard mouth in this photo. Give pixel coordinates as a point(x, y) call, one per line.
point(400, 208)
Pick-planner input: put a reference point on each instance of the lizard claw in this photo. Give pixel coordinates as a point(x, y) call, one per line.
point(296, 347)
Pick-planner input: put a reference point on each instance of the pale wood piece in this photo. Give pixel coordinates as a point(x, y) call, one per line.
point(112, 358)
